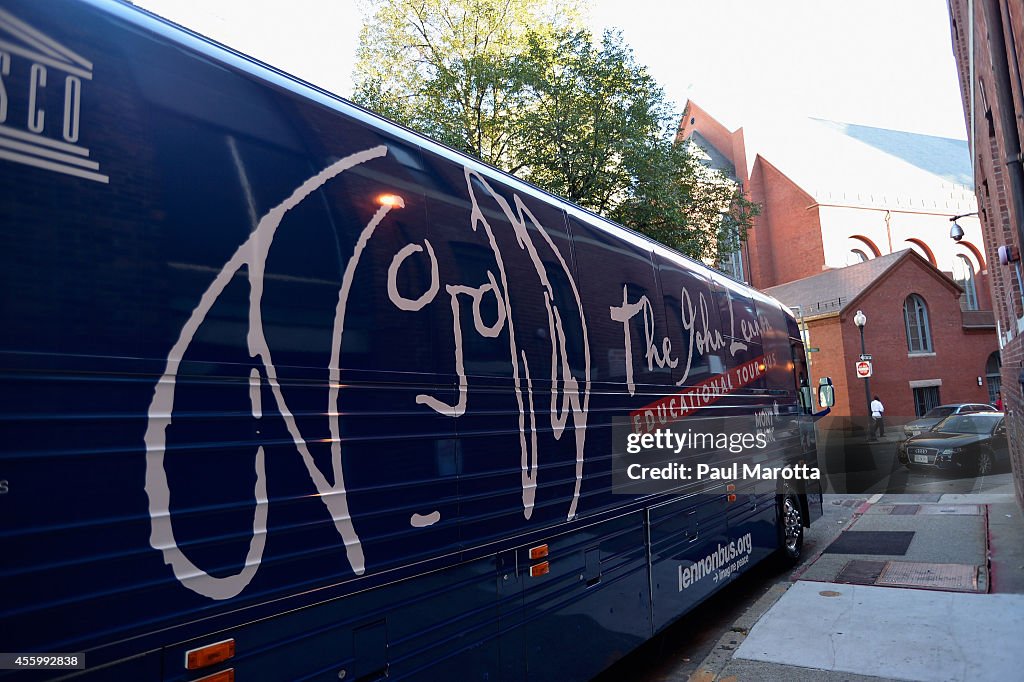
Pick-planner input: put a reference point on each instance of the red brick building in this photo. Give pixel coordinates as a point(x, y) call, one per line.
point(842, 206)
point(911, 371)
point(988, 43)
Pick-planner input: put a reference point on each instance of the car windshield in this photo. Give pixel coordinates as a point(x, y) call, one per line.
point(938, 412)
point(968, 423)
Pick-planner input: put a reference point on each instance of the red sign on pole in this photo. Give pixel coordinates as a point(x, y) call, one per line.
point(863, 369)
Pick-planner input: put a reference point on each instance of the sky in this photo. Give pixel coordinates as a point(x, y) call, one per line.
point(881, 63)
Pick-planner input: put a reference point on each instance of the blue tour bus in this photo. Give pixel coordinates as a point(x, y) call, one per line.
point(289, 392)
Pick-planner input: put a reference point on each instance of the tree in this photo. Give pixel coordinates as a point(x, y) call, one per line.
point(443, 67)
point(593, 111)
point(520, 85)
point(678, 200)
point(600, 132)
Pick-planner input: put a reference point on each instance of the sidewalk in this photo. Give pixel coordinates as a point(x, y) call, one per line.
point(945, 602)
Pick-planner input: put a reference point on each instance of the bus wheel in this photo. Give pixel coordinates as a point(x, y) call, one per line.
point(791, 529)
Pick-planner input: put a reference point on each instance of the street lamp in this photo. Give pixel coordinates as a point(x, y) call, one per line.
point(860, 319)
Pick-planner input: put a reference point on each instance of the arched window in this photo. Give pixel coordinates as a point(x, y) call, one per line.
point(994, 380)
point(915, 315)
point(963, 274)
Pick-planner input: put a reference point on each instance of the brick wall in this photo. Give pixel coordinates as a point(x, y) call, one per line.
point(990, 143)
point(958, 359)
point(795, 249)
point(958, 356)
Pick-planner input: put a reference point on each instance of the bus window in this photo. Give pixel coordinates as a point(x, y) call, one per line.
point(693, 322)
point(625, 316)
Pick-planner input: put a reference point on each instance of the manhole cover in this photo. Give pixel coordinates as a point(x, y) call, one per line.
point(891, 542)
point(860, 572)
point(951, 577)
point(951, 509)
point(905, 509)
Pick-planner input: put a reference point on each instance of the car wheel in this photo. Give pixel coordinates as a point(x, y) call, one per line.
point(986, 463)
point(791, 529)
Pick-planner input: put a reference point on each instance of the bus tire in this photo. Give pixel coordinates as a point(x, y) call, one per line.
point(791, 529)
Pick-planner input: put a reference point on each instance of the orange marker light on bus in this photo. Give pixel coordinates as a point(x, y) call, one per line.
point(211, 654)
point(730, 487)
point(538, 552)
point(391, 201)
point(540, 569)
point(731, 498)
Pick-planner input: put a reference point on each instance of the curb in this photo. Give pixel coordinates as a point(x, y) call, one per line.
point(713, 664)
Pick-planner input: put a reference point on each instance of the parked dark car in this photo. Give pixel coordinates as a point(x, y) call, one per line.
point(973, 443)
point(937, 414)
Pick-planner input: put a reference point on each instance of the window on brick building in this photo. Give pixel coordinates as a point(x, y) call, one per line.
point(992, 376)
point(925, 398)
point(915, 315)
point(731, 261)
point(963, 274)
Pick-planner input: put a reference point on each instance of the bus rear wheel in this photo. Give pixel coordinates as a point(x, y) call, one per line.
point(791, 529)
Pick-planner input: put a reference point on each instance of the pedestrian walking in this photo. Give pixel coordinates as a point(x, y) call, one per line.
point(877, 412)
point(999, 401)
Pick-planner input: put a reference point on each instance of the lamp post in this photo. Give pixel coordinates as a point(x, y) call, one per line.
point(860, 319)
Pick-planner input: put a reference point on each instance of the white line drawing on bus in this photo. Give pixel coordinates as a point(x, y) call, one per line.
point(519, 217)
point(253, 254)
point(560, 369)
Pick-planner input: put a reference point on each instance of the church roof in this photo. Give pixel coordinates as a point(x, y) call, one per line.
point(945, 157)
point(833, 290)
point(855, 165)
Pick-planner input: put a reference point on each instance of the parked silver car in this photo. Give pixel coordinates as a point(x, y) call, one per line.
point(937, 414)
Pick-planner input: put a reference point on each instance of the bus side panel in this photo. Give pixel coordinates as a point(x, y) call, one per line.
point(272, 373)
point(167, 388)
point(691, 313)
point(520, 343)
point(592, 606)
point(684, 533)
point(439, 626)
point(622, 307)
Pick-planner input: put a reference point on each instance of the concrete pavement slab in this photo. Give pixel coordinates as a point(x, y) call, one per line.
point(978, 498)
point(1006, 547)
point(891, 633)
point(950, 509)
point(741, 670)
point(909, 498)
point(952, 539)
